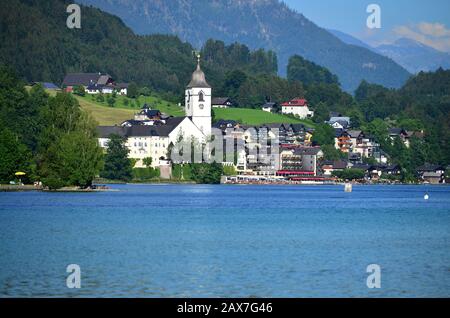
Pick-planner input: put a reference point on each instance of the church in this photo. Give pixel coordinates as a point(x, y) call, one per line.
point(152, 138)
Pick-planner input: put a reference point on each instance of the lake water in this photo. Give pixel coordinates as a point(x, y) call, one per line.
point(227, 241)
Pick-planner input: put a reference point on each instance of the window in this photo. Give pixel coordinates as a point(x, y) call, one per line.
point(201, 97)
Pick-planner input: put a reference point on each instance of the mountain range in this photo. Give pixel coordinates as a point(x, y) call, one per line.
point(415, 56)
point(268, 24)
point(412, 55)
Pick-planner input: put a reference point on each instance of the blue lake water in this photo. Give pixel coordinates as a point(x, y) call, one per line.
point(227, 241)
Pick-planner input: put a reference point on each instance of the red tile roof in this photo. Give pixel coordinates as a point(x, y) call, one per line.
point(293, 172)
point(296, 102)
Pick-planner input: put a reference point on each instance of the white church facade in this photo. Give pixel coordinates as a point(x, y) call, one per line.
point(153, 140)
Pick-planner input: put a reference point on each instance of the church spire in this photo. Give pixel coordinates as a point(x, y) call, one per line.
point(198, 77)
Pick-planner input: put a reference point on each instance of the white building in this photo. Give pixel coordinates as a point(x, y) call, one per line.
point(198, 101)
point(153, 141)
point(268, 107)
point(297, 107)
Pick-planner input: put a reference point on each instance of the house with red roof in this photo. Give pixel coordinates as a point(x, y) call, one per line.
point(297, 107)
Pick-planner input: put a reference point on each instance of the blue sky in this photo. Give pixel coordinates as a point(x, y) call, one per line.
point(426, 21)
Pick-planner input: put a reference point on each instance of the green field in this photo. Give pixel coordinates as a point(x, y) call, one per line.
point(106, 115)
point(136, 104)
point(256, 117)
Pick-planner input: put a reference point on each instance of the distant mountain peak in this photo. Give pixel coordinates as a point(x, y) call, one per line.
point(405, 42)
point(415, 56)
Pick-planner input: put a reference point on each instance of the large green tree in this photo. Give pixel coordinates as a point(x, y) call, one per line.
point(323, 135)
point(14, 155)
point(301, 70)
point(117, 164)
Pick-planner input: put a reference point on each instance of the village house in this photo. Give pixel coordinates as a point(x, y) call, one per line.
point(339, 122)
point(329, 167)
point(343, 140)
point(94, 83)
point(430, 173)
point(399, 133)
point(269, 107)
point(297, 107)
point(221, 102)
point(300, 163)
point(363, 143)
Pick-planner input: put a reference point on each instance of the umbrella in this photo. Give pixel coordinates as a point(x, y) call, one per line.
point(20, 173)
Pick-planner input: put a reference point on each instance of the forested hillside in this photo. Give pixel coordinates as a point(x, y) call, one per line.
point(268, 24)
point(39, 46)
point(423, 103)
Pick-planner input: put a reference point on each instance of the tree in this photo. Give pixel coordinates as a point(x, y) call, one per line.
point(331, 153)
point(349, 174)
point(145, 91)
point(68, 151)
point(307, 72)
point(117, 164)
point(111, 101)
point(323, 135)
point(321, 112)
point(232, 83)
point(133, 90)
point(379, 129)
point(100, 98)
point(205, 173)
point(148, 161)
point(14, 155)
point(77, 159)
point(79, 90)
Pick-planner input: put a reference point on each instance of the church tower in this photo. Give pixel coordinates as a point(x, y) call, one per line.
point(198, 101)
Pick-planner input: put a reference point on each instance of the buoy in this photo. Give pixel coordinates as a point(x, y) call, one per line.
point(426, 196)
point(348, 187)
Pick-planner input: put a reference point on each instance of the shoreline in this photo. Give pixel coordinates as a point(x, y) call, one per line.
point(31, 188)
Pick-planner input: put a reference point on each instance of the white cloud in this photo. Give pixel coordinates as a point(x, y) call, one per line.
point(435, 35)
point(434, 29)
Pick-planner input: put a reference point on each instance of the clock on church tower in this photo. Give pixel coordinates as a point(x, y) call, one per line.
point(198, 100)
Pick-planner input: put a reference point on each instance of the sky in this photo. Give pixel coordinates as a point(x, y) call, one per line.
point(426, 21)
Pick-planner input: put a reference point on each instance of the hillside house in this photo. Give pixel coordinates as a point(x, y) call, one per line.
point(297, 107)
point(221, 102)
point(399, 133)
point(269, 107)
point(339, 122)
point(94, 83)
point(343, 141)
point(430, 173)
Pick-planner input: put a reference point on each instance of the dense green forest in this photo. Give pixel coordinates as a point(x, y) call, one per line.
point(37, 43)
point(49, 138)
point(268, 24)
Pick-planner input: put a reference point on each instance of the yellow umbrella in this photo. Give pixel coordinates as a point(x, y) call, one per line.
point(20, 173)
